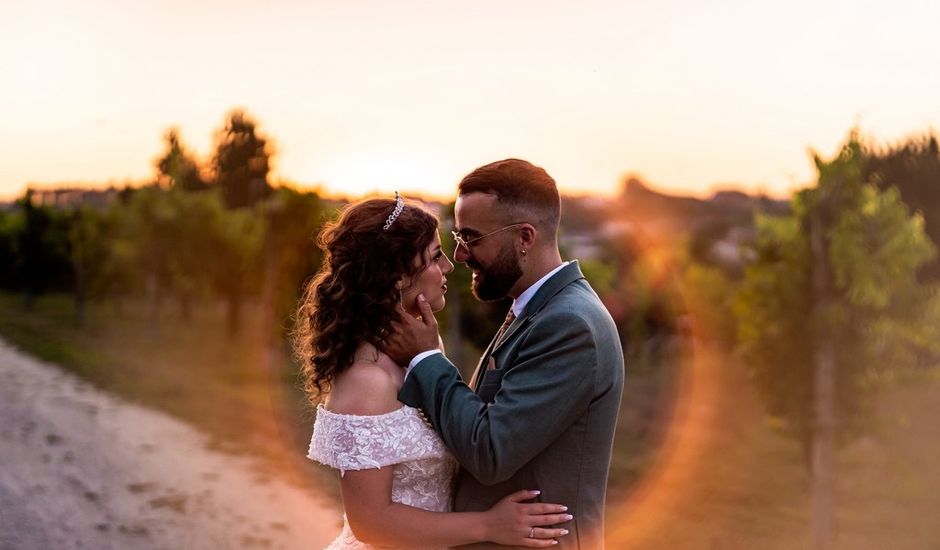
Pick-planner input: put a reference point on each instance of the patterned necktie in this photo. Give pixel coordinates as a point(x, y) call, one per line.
point(510, 317)
point(483, 366)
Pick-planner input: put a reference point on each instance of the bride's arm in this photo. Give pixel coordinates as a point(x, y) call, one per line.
point(375, 519)
point(367, 389)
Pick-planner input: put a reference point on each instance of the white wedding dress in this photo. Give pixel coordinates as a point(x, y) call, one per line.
point(422, 468)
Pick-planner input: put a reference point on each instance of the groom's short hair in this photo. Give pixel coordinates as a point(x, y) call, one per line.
point(521, 188)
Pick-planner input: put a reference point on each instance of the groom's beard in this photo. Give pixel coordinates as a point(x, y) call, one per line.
point(493, 283)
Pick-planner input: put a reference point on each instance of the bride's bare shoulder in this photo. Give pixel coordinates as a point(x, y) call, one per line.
point(368, 387)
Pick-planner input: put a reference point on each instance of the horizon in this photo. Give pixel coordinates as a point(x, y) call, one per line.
point(325, 193)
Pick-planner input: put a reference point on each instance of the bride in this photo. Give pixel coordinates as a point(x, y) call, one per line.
point(395, 473)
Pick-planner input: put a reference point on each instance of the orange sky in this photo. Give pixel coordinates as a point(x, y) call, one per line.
point(376, 95)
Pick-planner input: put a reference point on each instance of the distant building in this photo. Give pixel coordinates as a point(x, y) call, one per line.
point(68, 198)
point(731, 251)
point(583, 246)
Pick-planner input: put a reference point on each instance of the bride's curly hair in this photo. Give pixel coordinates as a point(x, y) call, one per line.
point(353, 297)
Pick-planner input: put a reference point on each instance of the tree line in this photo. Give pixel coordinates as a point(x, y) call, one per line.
point(219, 230)
point(199, 231)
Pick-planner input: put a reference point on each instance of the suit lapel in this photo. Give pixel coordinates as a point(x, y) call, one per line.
point(481, 366)
point(569, 274)
point(551, 287)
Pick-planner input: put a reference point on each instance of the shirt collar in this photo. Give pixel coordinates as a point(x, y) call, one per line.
point(519, 304)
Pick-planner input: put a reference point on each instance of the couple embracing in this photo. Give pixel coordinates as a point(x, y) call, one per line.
point(518, 455)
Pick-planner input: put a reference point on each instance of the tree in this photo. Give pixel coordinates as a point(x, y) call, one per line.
point(831, 302)
point(195, 220)
point(236, 240)
point(290, 253)
point(149, 227)
point(9, 227)
point(122, 274)
point(913, 167)
point(90, 234)
point(290, 256)
point(708, 293)
point(176, 169)
point(242, 162)
point(41, 250)
point(642, 293)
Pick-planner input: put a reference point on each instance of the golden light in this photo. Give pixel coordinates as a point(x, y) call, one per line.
point(374, 171)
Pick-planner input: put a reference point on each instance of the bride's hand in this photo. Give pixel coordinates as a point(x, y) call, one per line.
point(513, 522)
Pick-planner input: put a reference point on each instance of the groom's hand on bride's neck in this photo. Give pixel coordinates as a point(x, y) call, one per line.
point(410, 336)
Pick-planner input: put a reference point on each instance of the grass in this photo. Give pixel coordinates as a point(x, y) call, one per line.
point(695, 465)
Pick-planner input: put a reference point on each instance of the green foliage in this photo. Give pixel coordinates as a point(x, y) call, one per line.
point(197, 217)
point(149, 235)
point(90, 253)
point(601, 275)
point(642, 293)
point(242, 162)
point(870, 310)
point(877, 248)
point(708, 294)
point(188, 245)
point(9, 226)
point(40, 245)
point(913, 167)
point(176, 169)
point(235, 272)
point(772, 309)
point(291, 256)
point(166, 243)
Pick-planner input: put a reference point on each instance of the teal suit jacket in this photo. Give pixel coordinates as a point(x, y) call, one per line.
point(541, 414)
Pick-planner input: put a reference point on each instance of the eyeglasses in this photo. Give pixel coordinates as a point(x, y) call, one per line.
point(467, 243)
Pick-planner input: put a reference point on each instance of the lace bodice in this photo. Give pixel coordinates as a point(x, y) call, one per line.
point(422, 468)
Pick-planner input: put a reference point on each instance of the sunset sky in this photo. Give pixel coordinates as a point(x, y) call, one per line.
point(363, 95)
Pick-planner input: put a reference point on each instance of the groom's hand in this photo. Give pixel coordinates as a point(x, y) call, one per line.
point(410, 336)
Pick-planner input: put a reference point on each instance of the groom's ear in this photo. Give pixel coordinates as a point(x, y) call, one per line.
point(528, 233)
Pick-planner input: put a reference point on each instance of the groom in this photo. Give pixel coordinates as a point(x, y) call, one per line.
point(542, 405)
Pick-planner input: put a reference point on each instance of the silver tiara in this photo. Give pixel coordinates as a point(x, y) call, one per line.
point(399, 206)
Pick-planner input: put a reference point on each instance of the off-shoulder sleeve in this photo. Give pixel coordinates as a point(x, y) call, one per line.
point(350, 442)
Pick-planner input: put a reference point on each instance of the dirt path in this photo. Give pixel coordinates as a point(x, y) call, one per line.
point(80, 468)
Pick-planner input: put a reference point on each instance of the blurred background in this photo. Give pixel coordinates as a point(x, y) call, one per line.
point(753, 190)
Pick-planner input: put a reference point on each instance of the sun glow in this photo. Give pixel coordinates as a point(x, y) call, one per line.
point(375, 172)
